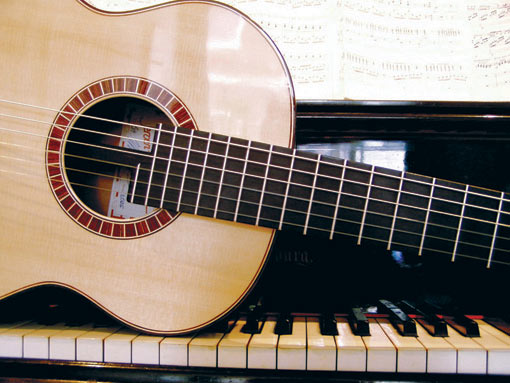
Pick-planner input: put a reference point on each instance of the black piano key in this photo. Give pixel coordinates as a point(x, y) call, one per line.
point(434, 325)
point(284, 324)
point(405, 325)
point(253, 318)
point(359, 322)
point(501, 324)
point(464, 325)
point(327, 323)
point(223, 325)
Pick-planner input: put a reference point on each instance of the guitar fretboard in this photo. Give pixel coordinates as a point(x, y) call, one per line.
point(259, 184)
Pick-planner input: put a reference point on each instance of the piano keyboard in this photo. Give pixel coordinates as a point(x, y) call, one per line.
point(306, 348)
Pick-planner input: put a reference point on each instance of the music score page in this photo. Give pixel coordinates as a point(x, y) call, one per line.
point(456, 50)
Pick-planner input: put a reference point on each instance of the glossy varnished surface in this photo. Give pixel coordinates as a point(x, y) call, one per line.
point(232, 80)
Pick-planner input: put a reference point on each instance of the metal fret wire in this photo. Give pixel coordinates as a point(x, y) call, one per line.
point(183, 134)
point(241, 146)
point(322, 216)
point(371, 238)
point(356, 169)
point(376, 239)
point(317, 188)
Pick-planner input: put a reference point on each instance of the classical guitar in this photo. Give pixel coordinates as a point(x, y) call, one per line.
point(146, 163)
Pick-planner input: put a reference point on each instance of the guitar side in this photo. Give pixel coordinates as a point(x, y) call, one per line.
point(232, 80)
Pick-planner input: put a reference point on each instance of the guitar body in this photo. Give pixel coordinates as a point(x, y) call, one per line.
point(156, 274)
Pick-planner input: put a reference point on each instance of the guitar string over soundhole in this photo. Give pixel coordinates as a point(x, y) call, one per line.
point(94, 145)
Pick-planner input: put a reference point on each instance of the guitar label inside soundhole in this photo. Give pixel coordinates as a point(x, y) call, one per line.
point(94, 146)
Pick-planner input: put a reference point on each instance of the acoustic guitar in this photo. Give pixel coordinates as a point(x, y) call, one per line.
point(146, 162)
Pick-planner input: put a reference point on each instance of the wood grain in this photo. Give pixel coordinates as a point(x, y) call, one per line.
point(232, 79)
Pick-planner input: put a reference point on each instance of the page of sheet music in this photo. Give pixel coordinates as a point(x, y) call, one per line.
point(490, 25)
point(385, 49)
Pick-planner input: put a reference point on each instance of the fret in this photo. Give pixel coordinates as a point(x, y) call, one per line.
point(212, 175)
point(300, 190)
point(496, 226)
point(312, 195)
point(177, 165)
point(286, 196)
point(420, 250)
point(278, 174)
point(501, 250)
point(251, 191)
point(354, 198)
point(172, 144)
point(151, 171)
point(221, 179)
point(444, 216)
point(201, 182)
point(238, 204)
point(366, 205)
point(460, 224)
point(382, 204)
point(232, 179)
point(158, 167)
point(227, 200)
point(135, 180)
point(335, 215)
point(264, 186)
point(325, 195)
point(186, 161)
point(394, 220)
point(193, 172)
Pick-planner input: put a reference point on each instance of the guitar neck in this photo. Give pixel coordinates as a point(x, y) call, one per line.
point(259, 184)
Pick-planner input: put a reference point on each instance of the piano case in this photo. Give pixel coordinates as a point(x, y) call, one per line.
point(320, 278)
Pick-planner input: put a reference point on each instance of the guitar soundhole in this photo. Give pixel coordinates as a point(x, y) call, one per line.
point(95, 151)
point(87, 162)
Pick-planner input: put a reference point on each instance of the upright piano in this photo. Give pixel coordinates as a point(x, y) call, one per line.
point(323, 310)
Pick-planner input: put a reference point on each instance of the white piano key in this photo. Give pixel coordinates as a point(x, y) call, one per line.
point(146, 349)
point(351, 350)
point(36, 344)
point(117, 347)
point(202, 350)
point(174, 350)
point(232, 349)
point(90, 346)
point(471, 357)
point(262, 347)
point(321, 354)
point(441, 355)
point(411, 355)
point(498, 352)
point(381, 354)
point(11, 339)
point(63, 343)
point(291, 354)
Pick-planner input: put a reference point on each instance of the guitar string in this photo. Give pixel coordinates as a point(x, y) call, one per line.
point(265, 205)
point(307, 186)
point(259, 163)
point(314, 214)
point(102, 119)
point(396, 243)
point(274, 166)
point(396, 203)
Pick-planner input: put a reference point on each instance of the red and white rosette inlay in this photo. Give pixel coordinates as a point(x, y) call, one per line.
point(107, 88)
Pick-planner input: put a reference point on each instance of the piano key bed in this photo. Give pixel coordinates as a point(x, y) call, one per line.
point(385, 352)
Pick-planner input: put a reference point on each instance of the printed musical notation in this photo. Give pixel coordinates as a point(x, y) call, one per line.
point(385, 49)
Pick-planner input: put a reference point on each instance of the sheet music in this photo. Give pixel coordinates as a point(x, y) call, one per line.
point(385, 49)
point(304, 31)
point(490, 25)
point(412, 49)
